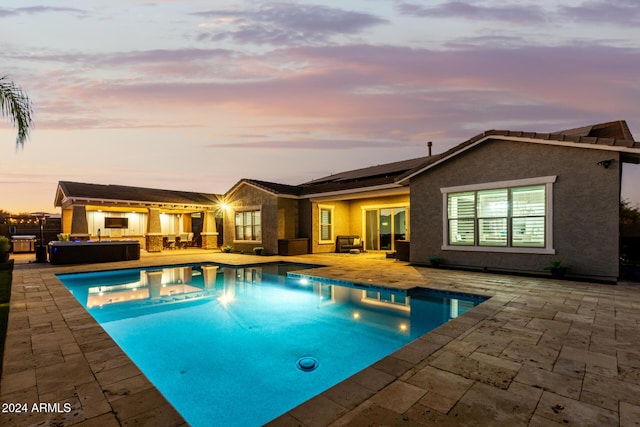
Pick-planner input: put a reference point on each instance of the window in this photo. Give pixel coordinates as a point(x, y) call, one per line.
point(500, 217)
point(248, 225)
point(326, 223)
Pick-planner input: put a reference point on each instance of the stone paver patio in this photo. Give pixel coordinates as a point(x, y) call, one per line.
point(538, 353)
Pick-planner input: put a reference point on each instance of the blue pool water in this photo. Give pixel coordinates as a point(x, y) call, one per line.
point(242, 345)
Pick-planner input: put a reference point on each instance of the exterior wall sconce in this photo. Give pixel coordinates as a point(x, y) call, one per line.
point(606, 163)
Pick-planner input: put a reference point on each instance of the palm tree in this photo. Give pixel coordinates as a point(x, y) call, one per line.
point(15, 104)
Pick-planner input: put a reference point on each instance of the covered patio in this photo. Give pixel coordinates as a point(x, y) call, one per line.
point(158, 219)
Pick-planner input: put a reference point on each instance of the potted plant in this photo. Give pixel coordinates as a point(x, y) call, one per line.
point(435, 261)
point(227, 248)
point(4, 249)
point(258, 250)
point(557, 269)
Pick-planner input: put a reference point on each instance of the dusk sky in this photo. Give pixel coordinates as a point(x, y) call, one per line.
point(195, 95)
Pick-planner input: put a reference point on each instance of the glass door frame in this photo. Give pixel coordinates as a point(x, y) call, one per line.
point(377, 209)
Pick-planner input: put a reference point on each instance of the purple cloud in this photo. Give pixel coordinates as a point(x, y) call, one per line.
point(286, 24)
point(359, 92)
point(129, 58)
point(164, 56)
point(619, 12)
point(33, 10)
point(459, 9)
point(309, 144)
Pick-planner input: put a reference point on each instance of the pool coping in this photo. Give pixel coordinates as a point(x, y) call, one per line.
point(534, 343)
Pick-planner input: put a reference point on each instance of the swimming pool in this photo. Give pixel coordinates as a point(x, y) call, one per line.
point(242, 345)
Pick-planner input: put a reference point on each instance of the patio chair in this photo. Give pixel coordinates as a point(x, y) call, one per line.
point(182, 241)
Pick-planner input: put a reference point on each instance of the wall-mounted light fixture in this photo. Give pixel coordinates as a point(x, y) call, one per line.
point(606, 163)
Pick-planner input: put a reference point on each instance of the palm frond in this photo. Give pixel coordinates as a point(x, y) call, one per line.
point(16, 105)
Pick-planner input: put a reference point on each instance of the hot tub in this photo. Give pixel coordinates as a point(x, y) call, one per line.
point(86, 252)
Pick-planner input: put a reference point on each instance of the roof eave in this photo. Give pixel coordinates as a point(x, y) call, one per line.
point(361, 192)
point(629, 153)
point(68, 201)
point(248, 182)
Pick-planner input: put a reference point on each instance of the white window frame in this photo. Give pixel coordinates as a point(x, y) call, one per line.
point(548, 181)
point(332, 224)
point(235, 226)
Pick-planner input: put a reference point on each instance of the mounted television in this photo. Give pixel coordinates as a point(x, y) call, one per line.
point(114, 222)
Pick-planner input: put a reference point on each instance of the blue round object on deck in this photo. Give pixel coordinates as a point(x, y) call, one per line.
point(307, 364)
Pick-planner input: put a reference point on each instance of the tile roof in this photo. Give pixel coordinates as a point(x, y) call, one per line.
point(383, 174)
point(616, 130)
point(274, 187)
point(614, 136)
point(383, 170)
point(378, 175)
point(79, 190)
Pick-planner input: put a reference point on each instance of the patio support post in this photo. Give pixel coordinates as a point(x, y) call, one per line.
point(79, 225)
point(209, 231)
point(154, 231)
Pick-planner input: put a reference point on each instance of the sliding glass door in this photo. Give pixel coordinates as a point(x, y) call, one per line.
point(384, 226)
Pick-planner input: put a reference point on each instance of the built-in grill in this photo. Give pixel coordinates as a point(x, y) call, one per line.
point(23, 243)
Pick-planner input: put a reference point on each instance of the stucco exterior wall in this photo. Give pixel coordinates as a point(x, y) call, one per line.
point(249, 198)
point(585, 206)
point(66, 215)
point(288, 224)
point(304, 218)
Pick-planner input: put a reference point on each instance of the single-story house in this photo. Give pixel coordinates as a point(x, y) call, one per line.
point(145, 214)
point(501, 201)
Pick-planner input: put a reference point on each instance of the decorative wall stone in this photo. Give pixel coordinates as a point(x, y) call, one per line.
point(209, 240)
point(154, 243)
point(79, 225)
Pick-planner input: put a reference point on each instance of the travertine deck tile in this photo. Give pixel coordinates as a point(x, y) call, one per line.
point(596, 363)
point(107, 377)
point(484, 405)
point(629, 374)
point(393, 366)
point(126, 387)
point(318, 411)
point(539, 356)
point(629, 415)
point(571, 412)
point(398, 396)
point(570, 368)
point(373, 379)
point(18, 381)
point(105, 420)
point(438, 397)
point(547, 380)
point(612, 387)
point(538, 353)
point(628, 358)
point(348, 393)
point(487, 369)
